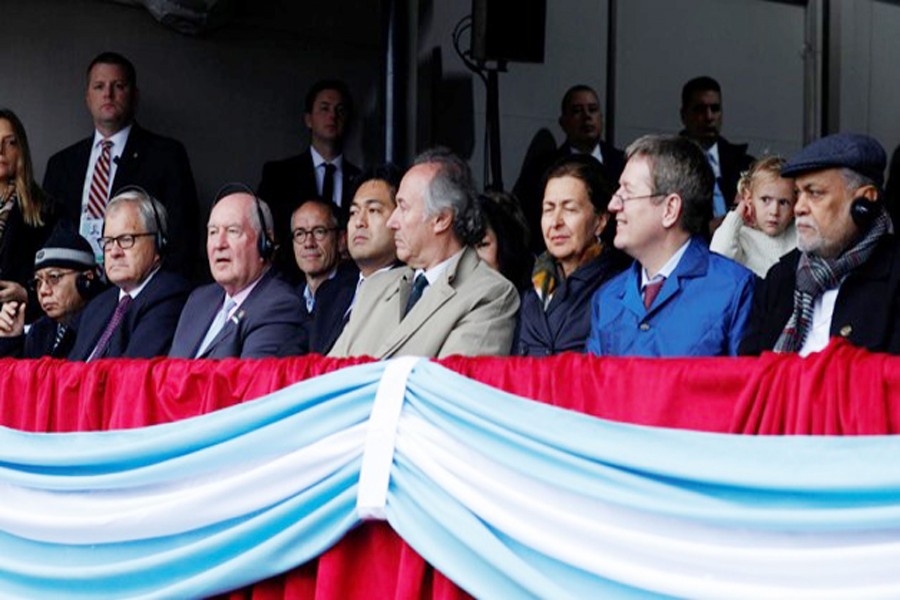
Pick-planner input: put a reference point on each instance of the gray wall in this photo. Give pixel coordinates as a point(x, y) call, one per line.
point(233, 97)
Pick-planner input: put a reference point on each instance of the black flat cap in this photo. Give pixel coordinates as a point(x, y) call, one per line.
point(860, 153)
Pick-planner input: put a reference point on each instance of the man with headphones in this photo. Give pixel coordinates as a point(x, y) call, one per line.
point(136, 318)
point(843, 280)
point(247, 312)
point(66, 277)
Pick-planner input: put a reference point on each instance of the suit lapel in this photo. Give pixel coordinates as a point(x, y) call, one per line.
point(432, 300)
point(127, 166)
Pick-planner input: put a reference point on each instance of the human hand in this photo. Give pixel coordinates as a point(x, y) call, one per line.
point(746, 212)
point(12, 319)
point(11, 291)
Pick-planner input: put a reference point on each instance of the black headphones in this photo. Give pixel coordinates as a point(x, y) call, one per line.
point(161, 239)
point(264, 244)
point(88, 287)
point(864, 212)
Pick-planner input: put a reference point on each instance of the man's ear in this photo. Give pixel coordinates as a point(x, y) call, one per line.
point(342, 242)
point(869, 192)
point(442, 222)
point(307, 119)
point(673, 205)
point(602, 221)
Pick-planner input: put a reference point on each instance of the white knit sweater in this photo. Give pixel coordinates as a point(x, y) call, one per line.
point(751, 247)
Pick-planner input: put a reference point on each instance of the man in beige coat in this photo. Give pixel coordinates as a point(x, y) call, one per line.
point(446, 301)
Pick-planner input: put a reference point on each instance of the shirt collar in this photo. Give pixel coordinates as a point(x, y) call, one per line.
point(318, 161)
point(435, 272)
point(134, 293)
point(118, 139)
point(667, 269)
point(596, 152)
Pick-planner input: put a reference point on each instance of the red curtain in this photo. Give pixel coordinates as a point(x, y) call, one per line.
point(841, 391)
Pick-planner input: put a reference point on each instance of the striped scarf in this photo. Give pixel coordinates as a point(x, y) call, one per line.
point(548, 274)
point(815, 275)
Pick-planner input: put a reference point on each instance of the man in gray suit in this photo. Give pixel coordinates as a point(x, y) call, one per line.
point(446, 301)
point(247, 312)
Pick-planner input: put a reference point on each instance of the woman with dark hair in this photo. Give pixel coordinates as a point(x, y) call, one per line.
point(25, 213)
point(506, 237)
point(556, 312)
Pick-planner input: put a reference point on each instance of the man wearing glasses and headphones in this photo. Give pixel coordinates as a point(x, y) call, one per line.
point(136, 318)
point(66, 277)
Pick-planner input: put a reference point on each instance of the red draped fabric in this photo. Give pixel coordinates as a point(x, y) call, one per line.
point(841, 391)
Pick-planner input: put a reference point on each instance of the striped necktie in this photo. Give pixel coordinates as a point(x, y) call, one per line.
point(99, 193)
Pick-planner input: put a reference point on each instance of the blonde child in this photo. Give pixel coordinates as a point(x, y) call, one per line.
point(760, 229)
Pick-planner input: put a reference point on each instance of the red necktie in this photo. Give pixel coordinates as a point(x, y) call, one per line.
point(99, 193)
point(651, 291)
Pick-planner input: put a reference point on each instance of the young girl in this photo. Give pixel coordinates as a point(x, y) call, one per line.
point(760, 230)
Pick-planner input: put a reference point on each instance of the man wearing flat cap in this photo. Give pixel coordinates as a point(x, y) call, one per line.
point(66, 277)
point(844, 277)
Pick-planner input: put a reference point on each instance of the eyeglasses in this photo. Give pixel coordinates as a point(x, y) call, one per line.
point(624, 199)
point(318, 233)
point(51, 280)
point(124, 241)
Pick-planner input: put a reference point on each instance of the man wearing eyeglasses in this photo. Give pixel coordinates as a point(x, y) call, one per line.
point(247, 312)
point(66, 277)
point(319, 242)
point(136, 318)
point(678, 298)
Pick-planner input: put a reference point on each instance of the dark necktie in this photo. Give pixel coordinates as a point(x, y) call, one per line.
point(114, 321)
point(328, 183)
point(651, 291)
point(60, 335)
point(418, 289)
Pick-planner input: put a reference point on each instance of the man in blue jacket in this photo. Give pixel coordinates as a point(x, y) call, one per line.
point(677, 299)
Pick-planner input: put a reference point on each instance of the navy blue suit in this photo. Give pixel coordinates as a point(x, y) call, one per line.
point(148, 326)
point(270, 322)
point(159, 165)
point(565, 325)
point(333, 298)
point(39, 341)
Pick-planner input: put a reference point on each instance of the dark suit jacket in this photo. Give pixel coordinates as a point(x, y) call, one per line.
point(38, 342)
point(284, 185)
point(333, 298)
point(270, 322)
point(148, 326)
point(867, 310)
point(530, 192)
point(159, 165)
point(733, 160)
point(566, 324)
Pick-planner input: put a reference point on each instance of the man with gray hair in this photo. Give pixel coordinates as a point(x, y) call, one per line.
point(136, 317)
point(446, 301)
point(678, 298)
point(843, 280)
point(247, 312)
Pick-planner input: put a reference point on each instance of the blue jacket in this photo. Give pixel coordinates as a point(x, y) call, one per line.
point(701, 310)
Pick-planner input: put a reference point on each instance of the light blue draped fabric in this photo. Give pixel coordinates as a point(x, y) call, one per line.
point(507, 497)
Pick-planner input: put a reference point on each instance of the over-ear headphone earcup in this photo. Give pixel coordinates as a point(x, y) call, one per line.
point(863, 212)
point(84, 285)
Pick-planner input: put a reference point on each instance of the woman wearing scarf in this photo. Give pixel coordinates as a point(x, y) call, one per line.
point(555, 315)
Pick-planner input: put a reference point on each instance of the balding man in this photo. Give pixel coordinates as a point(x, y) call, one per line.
point(247, 312)
point(446, 301)
point(843, 280)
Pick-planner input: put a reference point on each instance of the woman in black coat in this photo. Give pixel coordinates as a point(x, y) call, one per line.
point(556, 311)
point(26, 215)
